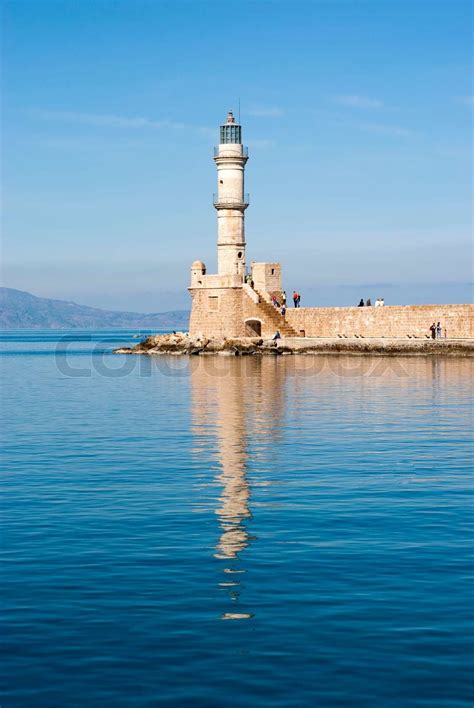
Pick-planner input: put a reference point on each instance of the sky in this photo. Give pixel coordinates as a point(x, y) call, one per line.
point(357, 115)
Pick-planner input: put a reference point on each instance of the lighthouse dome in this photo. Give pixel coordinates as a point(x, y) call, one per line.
point(198, 265)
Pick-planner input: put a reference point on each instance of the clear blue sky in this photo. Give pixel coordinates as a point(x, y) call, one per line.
point(357, 114)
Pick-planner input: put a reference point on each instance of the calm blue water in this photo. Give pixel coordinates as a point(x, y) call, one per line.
point(292, 531)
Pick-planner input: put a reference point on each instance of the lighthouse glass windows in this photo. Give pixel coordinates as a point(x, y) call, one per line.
point(231, 133)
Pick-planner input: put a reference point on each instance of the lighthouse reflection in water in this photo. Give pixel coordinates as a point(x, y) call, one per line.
point(234, 407)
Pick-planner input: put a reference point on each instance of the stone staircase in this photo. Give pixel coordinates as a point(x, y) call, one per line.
point(273, 315)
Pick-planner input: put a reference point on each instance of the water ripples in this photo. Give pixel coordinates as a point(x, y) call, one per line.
point(239, 531)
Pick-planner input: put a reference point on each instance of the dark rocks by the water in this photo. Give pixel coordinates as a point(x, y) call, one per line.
point(181, 343)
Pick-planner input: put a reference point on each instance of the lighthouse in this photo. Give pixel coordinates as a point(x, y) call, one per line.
point(230, 200)
point(233, 303)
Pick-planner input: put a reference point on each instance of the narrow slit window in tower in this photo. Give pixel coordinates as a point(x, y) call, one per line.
point(213, 303)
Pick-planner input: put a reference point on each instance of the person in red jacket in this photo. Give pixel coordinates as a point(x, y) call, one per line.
point(296, 298)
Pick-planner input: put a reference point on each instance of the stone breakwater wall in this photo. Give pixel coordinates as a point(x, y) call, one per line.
point(182, 343)
point(239, 312)
point(407, 321)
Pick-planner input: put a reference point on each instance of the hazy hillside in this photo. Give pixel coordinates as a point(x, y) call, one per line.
point(21, 310)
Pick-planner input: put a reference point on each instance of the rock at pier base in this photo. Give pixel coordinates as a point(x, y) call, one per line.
point(181, 343)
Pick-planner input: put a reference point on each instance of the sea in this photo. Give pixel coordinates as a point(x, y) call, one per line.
point(234, 531)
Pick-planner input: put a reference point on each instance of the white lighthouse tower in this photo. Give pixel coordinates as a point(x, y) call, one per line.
point(230, 201)
point(226, 303)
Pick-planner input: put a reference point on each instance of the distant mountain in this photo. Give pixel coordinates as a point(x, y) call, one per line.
point(22, 310)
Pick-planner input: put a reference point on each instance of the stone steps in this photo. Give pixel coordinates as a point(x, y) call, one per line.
point(275, 317)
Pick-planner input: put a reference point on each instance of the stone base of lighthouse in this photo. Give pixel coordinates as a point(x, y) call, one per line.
point(217, 312)
point(225, 306)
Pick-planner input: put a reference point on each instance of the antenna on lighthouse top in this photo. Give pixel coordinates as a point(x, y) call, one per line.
point(239, 111)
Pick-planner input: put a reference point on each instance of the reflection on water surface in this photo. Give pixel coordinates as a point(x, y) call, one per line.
point(326, 500)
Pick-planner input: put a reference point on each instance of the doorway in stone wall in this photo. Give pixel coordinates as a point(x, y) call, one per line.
point(253, 328)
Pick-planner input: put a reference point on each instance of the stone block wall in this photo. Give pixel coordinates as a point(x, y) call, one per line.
point(267, 277)
point(388, 321)
point(231, 312)
point(227, 312)
point(217, 312)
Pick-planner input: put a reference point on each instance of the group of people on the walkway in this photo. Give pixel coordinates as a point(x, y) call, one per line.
point(437, 331)
point(380, 302)
point(282, 305)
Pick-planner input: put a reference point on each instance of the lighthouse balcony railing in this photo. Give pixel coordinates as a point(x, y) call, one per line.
point(223, 201)
point(221, 151)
